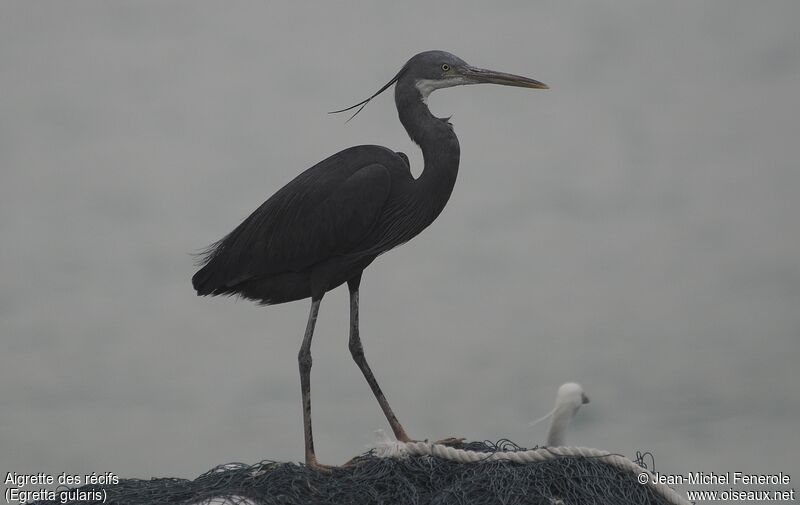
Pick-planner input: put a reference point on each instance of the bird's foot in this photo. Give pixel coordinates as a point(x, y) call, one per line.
point(451, 441)
point(311, 462)
point(328, 469)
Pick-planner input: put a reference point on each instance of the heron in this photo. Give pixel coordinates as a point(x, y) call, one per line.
point(327, 225)
point(569, 399)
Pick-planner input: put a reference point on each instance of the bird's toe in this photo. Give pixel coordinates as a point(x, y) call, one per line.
point(312, 463)
point(451, 441)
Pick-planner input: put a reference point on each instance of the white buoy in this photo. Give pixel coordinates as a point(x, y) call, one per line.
point(569, 399)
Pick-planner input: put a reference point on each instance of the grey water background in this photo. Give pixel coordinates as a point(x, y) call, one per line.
point(635, 228)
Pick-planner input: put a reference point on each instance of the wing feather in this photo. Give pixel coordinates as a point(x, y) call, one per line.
point(324, 212)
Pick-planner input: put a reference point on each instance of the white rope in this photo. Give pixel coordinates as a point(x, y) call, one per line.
point(388, 448)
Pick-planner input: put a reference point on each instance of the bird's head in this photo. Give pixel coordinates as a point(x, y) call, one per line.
point(569, 399)
point(432, 70)
point(571, 394)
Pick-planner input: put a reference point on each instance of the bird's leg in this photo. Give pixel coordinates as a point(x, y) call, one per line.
point(304, 359)
point(357, 350)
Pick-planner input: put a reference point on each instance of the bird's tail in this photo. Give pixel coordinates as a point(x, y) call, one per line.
point(201, 281)
point(205, 281)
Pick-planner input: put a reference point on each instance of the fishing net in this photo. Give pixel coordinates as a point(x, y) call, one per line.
point(369, 479)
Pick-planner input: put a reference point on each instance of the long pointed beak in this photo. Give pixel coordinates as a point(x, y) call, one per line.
point(481, 75)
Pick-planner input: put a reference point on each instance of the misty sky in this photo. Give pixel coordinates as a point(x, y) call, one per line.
point(635, 229)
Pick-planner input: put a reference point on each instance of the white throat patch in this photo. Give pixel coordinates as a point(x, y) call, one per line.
point(428, 86)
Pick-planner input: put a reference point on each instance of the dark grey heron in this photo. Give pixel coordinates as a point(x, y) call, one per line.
point(328, 224)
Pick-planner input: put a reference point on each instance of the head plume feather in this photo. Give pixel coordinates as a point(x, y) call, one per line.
point(364, 103)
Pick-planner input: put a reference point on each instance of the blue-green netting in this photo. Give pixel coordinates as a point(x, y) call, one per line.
point(369, 479)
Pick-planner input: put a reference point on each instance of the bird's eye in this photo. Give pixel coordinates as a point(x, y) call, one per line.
point(445, 67)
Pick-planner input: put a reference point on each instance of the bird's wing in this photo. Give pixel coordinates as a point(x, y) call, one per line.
point(328, 222)
point(325, 212)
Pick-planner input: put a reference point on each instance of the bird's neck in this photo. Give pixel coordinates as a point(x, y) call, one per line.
point(559, 424)
point(437, 140)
